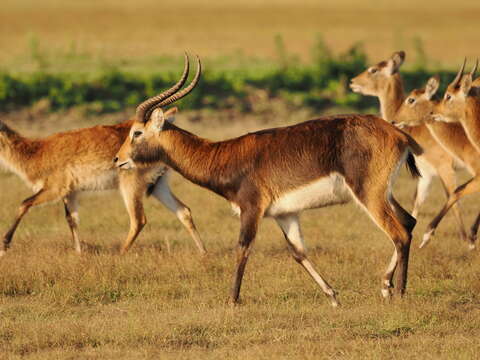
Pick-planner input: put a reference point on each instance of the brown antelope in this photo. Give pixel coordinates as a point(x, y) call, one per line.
point(62, 165)
point(282, 171)
point(383, 80)
point(416, 110)
point(460, 104)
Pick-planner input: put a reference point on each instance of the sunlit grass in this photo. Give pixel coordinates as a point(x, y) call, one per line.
point(163, 300)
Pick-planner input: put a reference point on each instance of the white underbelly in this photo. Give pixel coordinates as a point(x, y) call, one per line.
point(326, 191)
point(102, 180)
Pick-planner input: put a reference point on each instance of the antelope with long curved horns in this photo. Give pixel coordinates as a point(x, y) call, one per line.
point(60, 166)
point(282, 171)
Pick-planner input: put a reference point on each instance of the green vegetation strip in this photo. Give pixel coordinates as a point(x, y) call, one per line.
point(320, 84)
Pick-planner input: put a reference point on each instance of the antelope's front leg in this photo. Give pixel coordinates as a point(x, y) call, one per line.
point(132, 192)
point(163, 193)
point(249, 219)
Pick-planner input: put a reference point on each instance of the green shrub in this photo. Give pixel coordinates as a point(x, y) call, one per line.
point(319, 84)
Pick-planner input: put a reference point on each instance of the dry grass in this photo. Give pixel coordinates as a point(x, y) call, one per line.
point(162, 300)
point(132, 30)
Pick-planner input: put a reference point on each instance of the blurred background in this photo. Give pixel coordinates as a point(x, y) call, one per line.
point(103, 56)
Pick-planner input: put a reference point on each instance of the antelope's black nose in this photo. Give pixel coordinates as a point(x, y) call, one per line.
point(115, 160)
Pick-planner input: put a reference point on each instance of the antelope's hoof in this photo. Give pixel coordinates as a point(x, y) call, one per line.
point(472, 240)
point(233, 303)
point(332, 295)
point(426, 238)
point(387, 293)
point(334, 302)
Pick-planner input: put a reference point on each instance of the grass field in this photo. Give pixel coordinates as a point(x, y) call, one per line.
point(136, 34)
point(162, 300)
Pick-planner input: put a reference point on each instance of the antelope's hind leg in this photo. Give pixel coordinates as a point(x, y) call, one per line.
point(448, 180)
point(421, 192)
point(398, 224)
point(470, 187)
point(71, 214)
point(473, 233)
point(408, 223)
point(290, 226)
point(41, 197)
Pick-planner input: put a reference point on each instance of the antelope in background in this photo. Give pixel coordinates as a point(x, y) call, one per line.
point(282, 171)
point(383, 80)
point(460, 105)
point(62, 165)
point(417, 110)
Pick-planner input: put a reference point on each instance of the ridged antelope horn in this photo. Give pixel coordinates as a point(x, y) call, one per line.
point(143, 108)
point(474, 70)
point(179, 94)
point(456, 81)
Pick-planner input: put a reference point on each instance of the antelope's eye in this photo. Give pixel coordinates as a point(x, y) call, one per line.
point(410, 100)
point(373, 70)
point(448, 97)
point(136, 134)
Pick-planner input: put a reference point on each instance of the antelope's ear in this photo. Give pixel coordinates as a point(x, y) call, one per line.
point(394, 63)
point(432, 86)
point(466, 84)
point(157, 119)
point(170, 114)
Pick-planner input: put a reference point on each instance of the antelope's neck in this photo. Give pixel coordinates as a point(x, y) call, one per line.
point(391, 98)
point(450, 135)
point(209, 164)
point(471, 121)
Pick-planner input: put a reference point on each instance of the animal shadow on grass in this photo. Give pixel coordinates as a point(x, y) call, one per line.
point(96, 249)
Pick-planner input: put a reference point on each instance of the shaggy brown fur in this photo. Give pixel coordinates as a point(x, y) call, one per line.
point(64, 164)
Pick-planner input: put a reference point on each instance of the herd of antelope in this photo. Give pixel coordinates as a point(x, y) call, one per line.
point(274, 173)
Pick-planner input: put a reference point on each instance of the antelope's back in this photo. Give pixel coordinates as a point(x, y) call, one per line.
point(89, 145)
point(72, 158)
point(351, 145)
